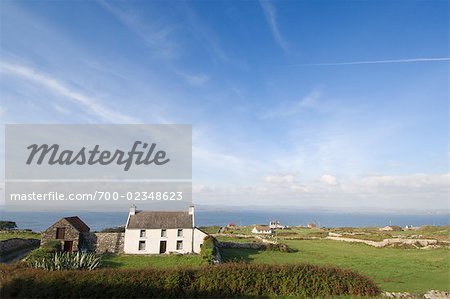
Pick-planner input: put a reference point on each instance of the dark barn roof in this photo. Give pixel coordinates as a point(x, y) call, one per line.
point(158, 220)
point(78, 224)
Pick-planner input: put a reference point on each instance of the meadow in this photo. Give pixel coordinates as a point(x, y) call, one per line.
point(393, 269)
point(6, 235)
point(150, 261)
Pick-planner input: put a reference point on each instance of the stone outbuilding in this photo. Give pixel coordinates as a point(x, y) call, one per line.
point(70, 231)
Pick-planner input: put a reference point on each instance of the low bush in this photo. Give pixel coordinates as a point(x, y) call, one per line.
point(208, 250)
point(52, 246)
point(45, 252)
point(6, 225)
point(225, 280)
point(282, 247)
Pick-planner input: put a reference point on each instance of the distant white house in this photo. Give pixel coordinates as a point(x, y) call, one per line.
point(312, 225)
point(154, 232)
point(276, 224)
point(265, 230)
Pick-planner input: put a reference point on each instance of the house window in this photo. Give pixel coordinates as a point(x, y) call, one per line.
point(60, 233)
point(142, 233)
point(179, 245)
point(180, 233)
point(141, 245)
point(164, 233)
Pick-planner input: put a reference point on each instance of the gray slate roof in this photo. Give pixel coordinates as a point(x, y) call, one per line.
point(158, 220)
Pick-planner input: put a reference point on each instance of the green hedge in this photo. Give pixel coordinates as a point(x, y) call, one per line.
point(225, 280)
point(208, 249)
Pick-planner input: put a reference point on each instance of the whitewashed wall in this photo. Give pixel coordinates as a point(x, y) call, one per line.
point(152, 241)
point(153, 237)
point(198, 239)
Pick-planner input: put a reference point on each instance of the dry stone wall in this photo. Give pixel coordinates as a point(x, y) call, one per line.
point(11, 245)
point(104, 242)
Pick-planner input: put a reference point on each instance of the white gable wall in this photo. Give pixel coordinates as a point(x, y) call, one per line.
point(198, 239)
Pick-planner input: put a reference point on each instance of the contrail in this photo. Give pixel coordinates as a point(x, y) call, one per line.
point(411, 60)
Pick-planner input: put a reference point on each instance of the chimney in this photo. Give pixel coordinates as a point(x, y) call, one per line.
point(133, 210)
point(191, 212)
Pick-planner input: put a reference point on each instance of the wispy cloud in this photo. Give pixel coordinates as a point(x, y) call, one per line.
point(193, 79)
point(408, 60)
point(88, 103)
point(205, 35)
point(311, 100)
point(156, 35)
point(271, 17)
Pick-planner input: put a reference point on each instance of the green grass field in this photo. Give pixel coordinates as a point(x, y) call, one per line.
point(405, 270)
point(393, 269)
point(154, 261)
point(22, 235)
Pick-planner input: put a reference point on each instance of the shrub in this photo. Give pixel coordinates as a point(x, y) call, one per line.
point(282, 247)
point(63, 261)
point(225, 280)
point(37, 255)
point(6, 225)
point(52, 246)
point(208, 250)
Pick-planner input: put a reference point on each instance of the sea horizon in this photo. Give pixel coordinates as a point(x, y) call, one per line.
point(39, 221)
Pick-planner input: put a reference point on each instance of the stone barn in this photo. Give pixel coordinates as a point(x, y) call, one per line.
point(70, 231)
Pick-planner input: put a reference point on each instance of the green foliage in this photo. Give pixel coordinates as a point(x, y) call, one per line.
point(208, 250)
point(63, 261)
point(282, 247)
point(52, 246)
point(38, 254)
point(4, 225)
point(214, 281)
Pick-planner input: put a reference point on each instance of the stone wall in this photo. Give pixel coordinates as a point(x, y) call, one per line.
point(11, 245)
point(257, 246)
point(388, 242)
point(71, 234)
point(104, 242)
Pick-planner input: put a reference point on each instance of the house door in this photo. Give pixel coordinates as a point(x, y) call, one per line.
point(68, 246)
point(162, 246)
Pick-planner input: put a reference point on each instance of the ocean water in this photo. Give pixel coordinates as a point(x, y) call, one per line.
point(39, 221)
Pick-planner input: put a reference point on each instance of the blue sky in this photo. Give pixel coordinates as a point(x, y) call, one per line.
point(299, 104)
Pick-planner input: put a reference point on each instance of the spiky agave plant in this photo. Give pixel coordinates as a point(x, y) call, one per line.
point(67, 261)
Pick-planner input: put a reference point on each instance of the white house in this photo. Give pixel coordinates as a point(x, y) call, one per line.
point(262, 230)
point(154, 232)
point(276, 224)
